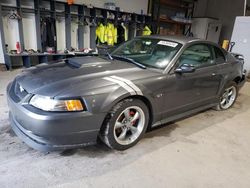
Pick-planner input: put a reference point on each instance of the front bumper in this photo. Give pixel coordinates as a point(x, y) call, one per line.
point(46, 131)
point(43, 144)
point(243, 79)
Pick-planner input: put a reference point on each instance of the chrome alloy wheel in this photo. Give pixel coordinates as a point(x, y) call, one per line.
point(228, 97)
point(129, 125)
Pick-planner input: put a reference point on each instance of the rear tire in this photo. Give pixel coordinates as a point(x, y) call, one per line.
point(125, 125)
point(228, 97)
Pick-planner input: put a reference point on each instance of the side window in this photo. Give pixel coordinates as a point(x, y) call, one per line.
point(219, 55)
point(198, 55)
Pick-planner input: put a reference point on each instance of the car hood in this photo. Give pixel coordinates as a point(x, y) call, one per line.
point(83, 73)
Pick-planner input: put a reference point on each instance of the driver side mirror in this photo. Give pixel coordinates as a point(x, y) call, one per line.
point(185, 68)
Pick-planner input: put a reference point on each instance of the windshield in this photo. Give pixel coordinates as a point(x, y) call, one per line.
point(150, 52)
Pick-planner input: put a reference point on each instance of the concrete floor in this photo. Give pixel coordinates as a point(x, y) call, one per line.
point(210, 149)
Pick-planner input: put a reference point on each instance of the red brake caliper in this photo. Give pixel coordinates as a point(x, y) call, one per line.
point(131, 113)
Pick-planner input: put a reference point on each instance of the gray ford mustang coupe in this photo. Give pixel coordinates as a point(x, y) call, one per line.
point(145, 82)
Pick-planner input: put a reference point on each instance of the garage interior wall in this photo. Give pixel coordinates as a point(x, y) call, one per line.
point(224, 10)
point(11, 26)
point(1, 52)
point(125, 5)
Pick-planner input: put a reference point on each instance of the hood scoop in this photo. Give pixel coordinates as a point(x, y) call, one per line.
point(86, 61)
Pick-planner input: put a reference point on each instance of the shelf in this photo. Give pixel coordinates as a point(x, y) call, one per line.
point(55, 9)
point(173, 22)
point(24, 9)
point(9, 7)
point(28, 10)
point(46, 10)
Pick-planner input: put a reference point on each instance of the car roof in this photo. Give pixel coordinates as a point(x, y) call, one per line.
point(180, 39)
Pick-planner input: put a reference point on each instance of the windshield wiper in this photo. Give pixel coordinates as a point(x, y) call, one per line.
point(109, 56)
point(130, 60)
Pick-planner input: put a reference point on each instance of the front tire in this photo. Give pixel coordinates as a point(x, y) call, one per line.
point(228, 97)
point(125, 124)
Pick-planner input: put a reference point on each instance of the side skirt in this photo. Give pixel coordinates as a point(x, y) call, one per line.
point(182, 115)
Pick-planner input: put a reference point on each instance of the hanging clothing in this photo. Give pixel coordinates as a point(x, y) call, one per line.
point(107, 34)
point(139, 29)
point(122, 33)
point(125, 32)
point(146, 31)
point(110, 38)
point(132, 30)
point(120, 37)
point(48, 33)
point(110, 35)
point(100, 32)
point(115, 35)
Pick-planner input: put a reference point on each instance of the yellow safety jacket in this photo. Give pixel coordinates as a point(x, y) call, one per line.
point(100, 30)
point(115, 34)
point(110, 34)
point(146, 31)
point(110, 39)
point(105, 33)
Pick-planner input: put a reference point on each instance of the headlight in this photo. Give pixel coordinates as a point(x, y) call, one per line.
point(48, 104)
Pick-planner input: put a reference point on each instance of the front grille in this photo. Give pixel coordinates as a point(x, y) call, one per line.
point(20, 92)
